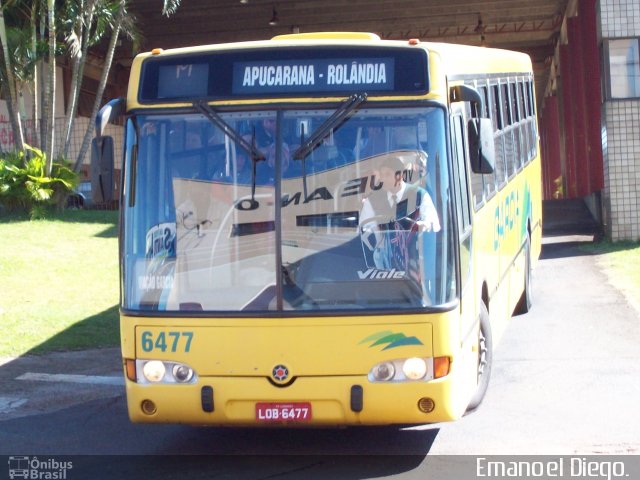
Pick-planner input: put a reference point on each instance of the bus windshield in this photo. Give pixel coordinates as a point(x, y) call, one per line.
point(316, 216)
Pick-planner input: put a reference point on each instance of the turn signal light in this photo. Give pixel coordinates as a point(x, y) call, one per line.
point(441, 367)
point(130, 368)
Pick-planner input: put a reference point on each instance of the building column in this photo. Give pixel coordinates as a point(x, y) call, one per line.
point(567, 115)
point(550, 149)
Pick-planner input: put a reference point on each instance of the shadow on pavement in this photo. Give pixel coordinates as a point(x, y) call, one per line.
point(102, 444)
point(101, 328)
point(261, 467)
point(566, 246)
point(307, 467)
point(567, 226)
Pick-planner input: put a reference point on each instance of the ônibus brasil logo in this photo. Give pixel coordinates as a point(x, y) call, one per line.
point(40, 469)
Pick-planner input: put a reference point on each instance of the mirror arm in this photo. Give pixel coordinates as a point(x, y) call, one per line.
point(465, 93)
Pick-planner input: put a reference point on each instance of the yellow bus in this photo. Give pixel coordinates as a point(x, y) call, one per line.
point(322, 229)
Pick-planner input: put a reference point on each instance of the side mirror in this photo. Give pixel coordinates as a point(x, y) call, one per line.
point(101, 170)
point(113, 109)
point(482, 154)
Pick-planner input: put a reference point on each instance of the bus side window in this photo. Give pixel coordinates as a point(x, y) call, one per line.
point(496, 117)
point(524, 128)
point(484, 93)
point(496, 111)
point(509, 143)
point(460, 166)
point(462, 196)
point(489, 179)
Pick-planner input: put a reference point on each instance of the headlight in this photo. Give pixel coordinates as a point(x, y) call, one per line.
point(154, 371)
point(383, 372)
point(158, 371)
point(414, 368)
point(182, 373)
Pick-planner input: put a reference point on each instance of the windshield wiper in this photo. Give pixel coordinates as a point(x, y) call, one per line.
point(335, 121)
point(342, 113)
point(229, 131)
point(251, 148)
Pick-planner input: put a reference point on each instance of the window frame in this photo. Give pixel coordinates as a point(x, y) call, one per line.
point(607, 78)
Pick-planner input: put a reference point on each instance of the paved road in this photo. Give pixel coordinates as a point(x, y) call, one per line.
point(565, 382)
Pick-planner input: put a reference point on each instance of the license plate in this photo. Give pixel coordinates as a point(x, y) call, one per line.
point(283, 412)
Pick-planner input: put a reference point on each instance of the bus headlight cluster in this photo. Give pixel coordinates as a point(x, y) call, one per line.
point(409, 369)
point(158, 371)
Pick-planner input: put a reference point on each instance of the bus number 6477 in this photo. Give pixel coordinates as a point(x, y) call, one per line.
point(163, 341)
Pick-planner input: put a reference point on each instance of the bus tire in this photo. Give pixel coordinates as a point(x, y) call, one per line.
point(485, 359)
point(525, 302)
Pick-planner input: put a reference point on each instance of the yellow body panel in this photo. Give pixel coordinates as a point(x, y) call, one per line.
point(326, 357)
point(499, 260)
point(235, 400)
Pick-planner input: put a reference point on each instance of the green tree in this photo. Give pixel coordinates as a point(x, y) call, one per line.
point(86, 23)
point(170, 6)
point(8, 84)
point(122, 22)
point(81, 22)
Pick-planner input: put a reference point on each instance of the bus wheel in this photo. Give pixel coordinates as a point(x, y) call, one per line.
point(485, 359)
point(524, 304)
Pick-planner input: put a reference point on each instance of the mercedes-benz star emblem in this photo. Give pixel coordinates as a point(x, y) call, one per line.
point(280, 373)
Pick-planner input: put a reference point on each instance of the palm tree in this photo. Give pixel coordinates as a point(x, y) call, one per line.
point(78, 41)
point(9, 84)
point(119, 19)
point(170, 7)
point(24, 58)
point(35, 114)
point(96, 18)
point(122, 20)
point(51, 86)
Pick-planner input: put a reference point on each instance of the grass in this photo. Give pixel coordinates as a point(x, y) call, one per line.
point(621, 262)
point(58, 282)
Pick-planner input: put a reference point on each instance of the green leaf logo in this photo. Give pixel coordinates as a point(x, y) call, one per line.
point(390, 340)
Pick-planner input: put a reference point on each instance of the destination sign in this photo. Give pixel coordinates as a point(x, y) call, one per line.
point(371, 74)
point(183, 80)
point(284, 72)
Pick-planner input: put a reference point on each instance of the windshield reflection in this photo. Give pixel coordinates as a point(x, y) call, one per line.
point(207, 232)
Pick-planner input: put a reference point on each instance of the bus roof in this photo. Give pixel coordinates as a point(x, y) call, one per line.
point(455, 58)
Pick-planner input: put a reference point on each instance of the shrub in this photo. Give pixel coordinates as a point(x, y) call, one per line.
point(24, 184)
